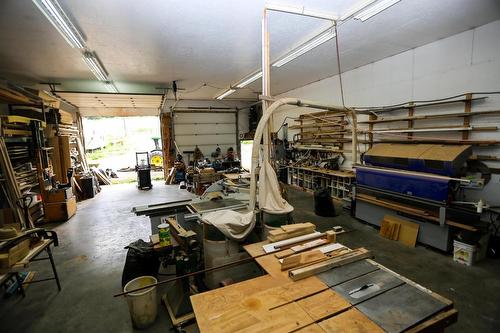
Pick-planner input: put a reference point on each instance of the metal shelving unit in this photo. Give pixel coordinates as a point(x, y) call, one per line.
point(339, 182)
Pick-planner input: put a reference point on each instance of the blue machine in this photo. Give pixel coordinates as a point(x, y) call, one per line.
point(423, 186)
point(399, 179)
point(431, 165)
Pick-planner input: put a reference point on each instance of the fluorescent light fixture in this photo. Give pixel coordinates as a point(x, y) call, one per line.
point(95, 66)
point(110, 87)
point(226, 93)
point(301, 11)
point(356, 8)
point(306, 47)
point(249, 80)
point(375, 9)
point(54, 13)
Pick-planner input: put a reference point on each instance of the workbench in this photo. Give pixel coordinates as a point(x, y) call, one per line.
point(275, 303)
point(23, 264)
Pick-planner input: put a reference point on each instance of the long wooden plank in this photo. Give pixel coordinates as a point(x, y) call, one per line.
point(437, 129)
point(413, 105)
point(323, 266)
point(434, 140)
point(411, 211)
point(301, 259)
point(429, 116)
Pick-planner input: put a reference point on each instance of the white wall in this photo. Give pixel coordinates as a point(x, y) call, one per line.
point(466, 62)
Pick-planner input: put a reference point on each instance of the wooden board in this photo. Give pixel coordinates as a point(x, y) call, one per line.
point(390, 230)
point(14, 254)
point(64, 151)
point(55, 158)
point(228, 309)
point(290, 231)
point(301, 259)
point(325, 265)
point(252, 318)
point(324, 304)
point(408, 231)
point(313, 328)
point(351, 321)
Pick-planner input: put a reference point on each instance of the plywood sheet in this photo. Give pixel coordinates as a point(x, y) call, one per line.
point(324, 304)
point(214, 303)
point(398, 150)
point(444, 152)
point(351, 321)
point(408, 231)
point(313, 328)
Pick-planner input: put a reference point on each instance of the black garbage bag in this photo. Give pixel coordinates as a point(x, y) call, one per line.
point(141, 260)
point(323, 205)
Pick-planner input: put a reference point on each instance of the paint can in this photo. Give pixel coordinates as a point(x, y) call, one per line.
point(164, 234)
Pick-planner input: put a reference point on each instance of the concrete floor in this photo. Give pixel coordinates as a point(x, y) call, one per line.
point(90, 259)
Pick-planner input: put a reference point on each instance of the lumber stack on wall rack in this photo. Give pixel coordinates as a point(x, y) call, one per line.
point(379, 128)
point(326, 128)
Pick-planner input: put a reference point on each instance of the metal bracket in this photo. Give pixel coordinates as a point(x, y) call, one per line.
point(442, 216)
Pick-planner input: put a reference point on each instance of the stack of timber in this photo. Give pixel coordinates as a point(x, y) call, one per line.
point(326, 129)
point(290, 231)
point(16, 95)
point(15, 126)
point(10, 188)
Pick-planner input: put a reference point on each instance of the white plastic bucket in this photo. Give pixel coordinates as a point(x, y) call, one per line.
point(464, 253)
point(142, 304)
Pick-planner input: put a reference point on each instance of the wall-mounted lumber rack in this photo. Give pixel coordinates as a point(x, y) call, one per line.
point(412, 105)
point(430, 116)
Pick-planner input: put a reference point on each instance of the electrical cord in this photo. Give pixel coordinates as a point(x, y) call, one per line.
point(338, 63)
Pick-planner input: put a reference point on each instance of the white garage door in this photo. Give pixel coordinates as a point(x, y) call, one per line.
point(205, 130)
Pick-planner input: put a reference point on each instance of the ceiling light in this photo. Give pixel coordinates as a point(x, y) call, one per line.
point(54, 13)
point(375, 9)
point(249, 80)
point(110, 87)
point(95, 66)
point(356, 8)
point(226, 93)
point(301, 11)
point(306, 47)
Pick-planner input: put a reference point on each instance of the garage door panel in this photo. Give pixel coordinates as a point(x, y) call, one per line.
point(203, 117)
point(184, 129)
point(205, 130)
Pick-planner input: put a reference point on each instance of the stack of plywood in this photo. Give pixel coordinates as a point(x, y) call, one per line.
point(290, 231)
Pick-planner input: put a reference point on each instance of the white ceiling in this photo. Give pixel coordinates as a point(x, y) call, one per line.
point(147, 44)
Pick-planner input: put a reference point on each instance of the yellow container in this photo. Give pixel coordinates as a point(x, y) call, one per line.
point(164, 234)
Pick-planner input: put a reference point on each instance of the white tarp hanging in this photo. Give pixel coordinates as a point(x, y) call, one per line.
point(232, 224)
point(270, 199)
